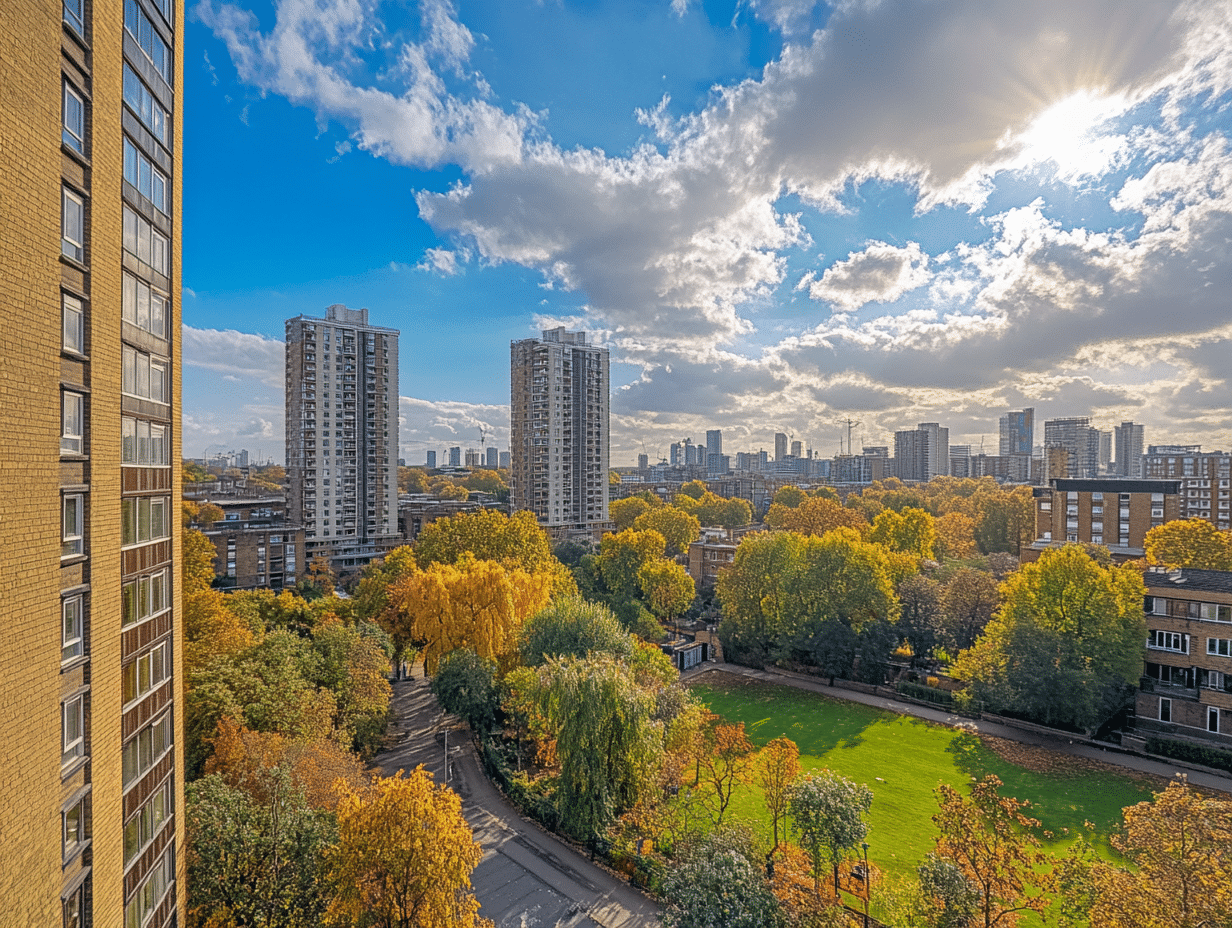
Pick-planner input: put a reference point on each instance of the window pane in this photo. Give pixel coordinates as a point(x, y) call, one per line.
point(74, 119)
point(143, 305)
point(143, 177)
point(73, 226)
point(158, 315)
point(130, 163)
point(143, 374)
point(73, 324)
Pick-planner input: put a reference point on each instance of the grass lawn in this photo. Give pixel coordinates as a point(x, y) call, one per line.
point(903, 759)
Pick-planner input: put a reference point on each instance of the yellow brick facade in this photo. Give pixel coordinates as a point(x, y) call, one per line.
point(39, 51)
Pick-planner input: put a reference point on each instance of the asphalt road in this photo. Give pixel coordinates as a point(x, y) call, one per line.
point(527, 878)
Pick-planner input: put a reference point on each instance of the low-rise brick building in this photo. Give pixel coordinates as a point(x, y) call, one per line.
point(1187, 674)
point(255, 545)
point(1114, 513)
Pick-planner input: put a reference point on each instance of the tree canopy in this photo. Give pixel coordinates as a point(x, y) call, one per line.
point(1191, 543)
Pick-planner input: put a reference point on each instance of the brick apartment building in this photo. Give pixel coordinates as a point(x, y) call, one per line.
point(1114, 513)
point(256, 546)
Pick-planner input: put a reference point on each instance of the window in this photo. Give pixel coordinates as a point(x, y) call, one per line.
point(76, 819)
point(72, 636)
point(144, 598)
point(74, 328)
point(72, 16)
point(73, 226)
point(1168, 641)
point(147, 822)
point(1212, 719)
point(72, 521)
point(143, 104)
point(74, 119)
point(141, 29)
point(72, 729)
point(150, 182)
point(1215, 612)
point(147, 672)
point(144, 307)
point(1220, 647)
point(144, 376)
point(143, 519)
point(72, 422)
point(75, 906)
point(1165, 709)
point(151, 891)
point(1156, 605)
point(145, 243)
point(145, 749)
point(143, 443)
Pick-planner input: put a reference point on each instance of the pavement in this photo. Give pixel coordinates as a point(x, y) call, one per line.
point(1108, 755)
point(527, 877)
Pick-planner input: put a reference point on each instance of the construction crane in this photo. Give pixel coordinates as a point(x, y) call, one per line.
point(483, 435)
point(850, 423)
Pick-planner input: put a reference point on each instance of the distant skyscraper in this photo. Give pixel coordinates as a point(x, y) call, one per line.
point(1080, 441)
point(342, 434)
point(780, 446)
point(1105, 452)
point(1017, 432)
point(504, 460)
point(492, 457)
point(559, 389)
point(797, 449)
point(1128, 449)
point(714, 441)
point(643, 461)
point(674, 452)
point(431, 459)
point(922, 453)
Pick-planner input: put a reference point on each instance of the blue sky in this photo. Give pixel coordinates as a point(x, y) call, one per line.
point(775, 213)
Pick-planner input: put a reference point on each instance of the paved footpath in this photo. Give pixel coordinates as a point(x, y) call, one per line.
point(527, 878)
point(1050, 742)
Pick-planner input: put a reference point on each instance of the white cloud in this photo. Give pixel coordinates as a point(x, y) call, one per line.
point(239, 353)
point(436, 425)
point(443, 261)
point(879, 273)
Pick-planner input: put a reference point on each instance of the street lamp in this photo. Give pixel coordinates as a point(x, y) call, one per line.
point(868, 882)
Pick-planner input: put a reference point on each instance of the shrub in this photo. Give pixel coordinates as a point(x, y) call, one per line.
point(1194, 753)
point(927, 693)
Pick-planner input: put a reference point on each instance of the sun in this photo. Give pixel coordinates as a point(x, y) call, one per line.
point(1068, 134)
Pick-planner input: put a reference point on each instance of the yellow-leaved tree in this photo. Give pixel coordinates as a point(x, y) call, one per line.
point(404, 857)
point(1193, 543)
point(470, 604)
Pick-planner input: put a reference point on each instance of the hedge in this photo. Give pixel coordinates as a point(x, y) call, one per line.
point(927, 693)
point(1194, 753)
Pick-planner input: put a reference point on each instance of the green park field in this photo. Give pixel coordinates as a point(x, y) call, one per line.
point(903, 759)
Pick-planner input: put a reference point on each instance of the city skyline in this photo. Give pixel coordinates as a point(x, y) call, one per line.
point(767, 233)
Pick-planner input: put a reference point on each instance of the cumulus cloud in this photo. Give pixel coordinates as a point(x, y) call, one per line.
point(880, 273)
point(241, 354)
point(436, 425)
point(679, 245)
point(443, 261)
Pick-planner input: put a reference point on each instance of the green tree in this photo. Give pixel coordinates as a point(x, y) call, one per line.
point(622, 557)
point(666, 588)
point(994, 844)
point(752, 595)
point(789, 496)
point(624, 512)
point(968, 601)
point(487, 535)
point(607, 742)
point(1066, 645)
point(255, 861)
point(1005, 521)
point(911, 531)
point(465, 684)
point(716, 885)
point(1193, 543)
point(572, 627)
point(694, 489)
point(678, 528)
point(827, 816)
point(776, 767)
point(919, 600)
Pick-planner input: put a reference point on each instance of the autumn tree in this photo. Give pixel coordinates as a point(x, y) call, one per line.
point(814, 516)
point(990, 839)
point(572, 627)
point(789, 496)
point(471, 604)
point(725, 766)
point(678, 528)
point(776, 767)
point(624, 512)
point(666, 588)
point(622, 557)
point(955, 535)
point(354, 666)
point(910, 531)
point(827, 817)
point(255, 861)
point(1179, 850)
point(1005, 521)
point(607, 742)
point(404, 857)
point(713, 510)
point(969, 599)
point(919, 600)
point(1193, 543)
point(1066, 644)
point(412, 480)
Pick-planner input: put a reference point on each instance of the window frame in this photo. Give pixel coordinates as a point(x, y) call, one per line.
point(72, 640)
point(74, 139)
point(72, 544)
point(81, 805)
point(72, 749)
point(140, 100)
point(1165, 709)
point(72, 306)
point(72, 416)
point(75, 16)
point(145, 177)
point(72, 248)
